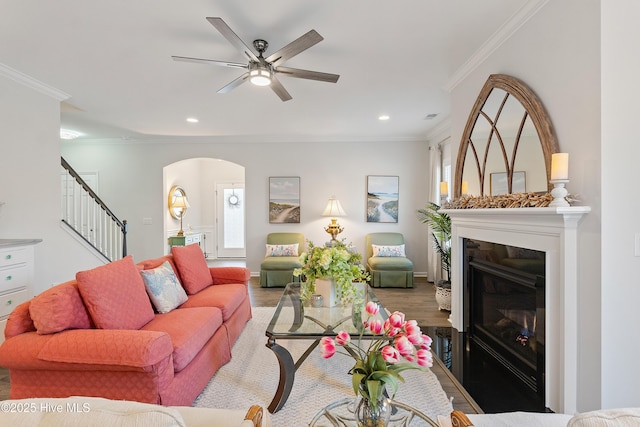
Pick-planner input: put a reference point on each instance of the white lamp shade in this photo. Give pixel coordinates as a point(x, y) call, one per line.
point(180, 202)
point(334, 208)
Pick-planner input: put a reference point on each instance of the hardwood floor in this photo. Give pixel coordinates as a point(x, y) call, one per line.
point(418, 303)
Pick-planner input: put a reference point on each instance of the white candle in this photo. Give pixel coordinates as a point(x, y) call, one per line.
point(559, 166)
point(444, 188)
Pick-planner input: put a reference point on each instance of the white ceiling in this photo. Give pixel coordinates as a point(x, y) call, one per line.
point(113, 57)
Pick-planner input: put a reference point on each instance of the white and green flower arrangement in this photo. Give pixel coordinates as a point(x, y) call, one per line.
point(339, 261)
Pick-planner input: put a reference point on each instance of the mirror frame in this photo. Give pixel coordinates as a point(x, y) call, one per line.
point(534, 108)
point(176, 212)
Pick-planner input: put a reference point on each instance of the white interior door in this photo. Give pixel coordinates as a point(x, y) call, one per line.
point(230, 221)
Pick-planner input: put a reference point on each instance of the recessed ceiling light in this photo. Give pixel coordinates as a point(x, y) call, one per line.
point(192, 120)
point(383, 117)
point(69, 134)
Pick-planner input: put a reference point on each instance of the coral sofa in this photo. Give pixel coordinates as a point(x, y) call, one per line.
point(100, 335)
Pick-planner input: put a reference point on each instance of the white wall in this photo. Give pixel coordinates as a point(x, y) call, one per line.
point(30, 177)
point(131, 182)
point(556, 53)
point(620, 204)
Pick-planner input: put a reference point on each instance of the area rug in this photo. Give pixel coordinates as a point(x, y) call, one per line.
point(251, 377)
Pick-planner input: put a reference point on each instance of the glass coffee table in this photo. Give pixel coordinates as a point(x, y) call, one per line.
point(294, 321)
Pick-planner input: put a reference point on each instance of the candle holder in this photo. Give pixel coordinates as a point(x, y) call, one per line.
point(559, 193)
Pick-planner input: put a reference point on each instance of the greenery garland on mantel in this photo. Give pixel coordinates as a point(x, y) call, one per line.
point(514, 200)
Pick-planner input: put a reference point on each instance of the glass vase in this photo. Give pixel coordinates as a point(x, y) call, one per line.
point(369, 414)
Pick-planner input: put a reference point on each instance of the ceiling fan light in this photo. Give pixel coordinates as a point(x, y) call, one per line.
point(260, 77)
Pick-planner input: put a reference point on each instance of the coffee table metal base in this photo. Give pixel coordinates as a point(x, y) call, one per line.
point(287, 371)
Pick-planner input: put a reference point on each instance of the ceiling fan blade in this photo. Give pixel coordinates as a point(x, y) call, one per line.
point(234, 84)
point(306, 74)
point(300, 44)
point(279, 89)
point(233, 38)
point(210, 62)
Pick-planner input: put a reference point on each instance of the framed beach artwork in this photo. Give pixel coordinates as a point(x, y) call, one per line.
point(382, 198)
point(284, 199)
point(499, 184)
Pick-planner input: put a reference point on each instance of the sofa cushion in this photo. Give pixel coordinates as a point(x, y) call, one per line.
point(163, 288)
point(390, 263)
point(59, 308)
point(115, 295)
point(622, 417)
point(88, 412)
point(280, 263)
point(225, 297)
point(193, 268)
point(189, 330)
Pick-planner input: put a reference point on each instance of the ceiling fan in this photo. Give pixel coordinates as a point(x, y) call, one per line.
point(262, 71)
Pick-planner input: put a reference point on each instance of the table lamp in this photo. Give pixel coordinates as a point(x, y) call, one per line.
point(182, 204)
point(333, 209)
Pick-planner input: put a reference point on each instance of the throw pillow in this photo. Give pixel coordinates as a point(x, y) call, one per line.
point(59, 308)
point(388, 251)
point(282, 250)
point(163, 288)
point(115, 295)
point(192, 267)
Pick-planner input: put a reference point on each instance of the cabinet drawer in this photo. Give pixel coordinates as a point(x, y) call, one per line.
point(13, 256)
point(10, 301)
point(16, 277)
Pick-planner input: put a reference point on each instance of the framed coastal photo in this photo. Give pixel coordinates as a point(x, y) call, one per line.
point(382, 198)
point(284, 199)
point(499, 185)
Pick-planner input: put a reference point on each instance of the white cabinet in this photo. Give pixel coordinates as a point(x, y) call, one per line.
point(16, 276)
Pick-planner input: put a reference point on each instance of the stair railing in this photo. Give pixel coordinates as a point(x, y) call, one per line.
point(90, 218)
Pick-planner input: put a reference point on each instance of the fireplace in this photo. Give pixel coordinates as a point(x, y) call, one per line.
point(505, 308)
point(553, 232)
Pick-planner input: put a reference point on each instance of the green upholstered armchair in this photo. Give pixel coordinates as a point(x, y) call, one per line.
point(389, 270)
point(277, 271)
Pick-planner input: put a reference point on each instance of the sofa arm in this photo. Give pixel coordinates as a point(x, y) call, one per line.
point(226, 275)
point(133, 349)
point(19, 321)
point(118, 347)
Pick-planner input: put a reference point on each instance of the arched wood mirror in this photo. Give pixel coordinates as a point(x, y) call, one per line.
point(507, 143)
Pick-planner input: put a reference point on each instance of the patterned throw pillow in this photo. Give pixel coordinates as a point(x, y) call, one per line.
point(163, 288)
point(388, 251)
point(282, 250)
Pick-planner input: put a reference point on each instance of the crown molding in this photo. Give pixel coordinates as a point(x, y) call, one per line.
point(243, 139)
point(504, 33)
point(32, 83)
point(440, 132)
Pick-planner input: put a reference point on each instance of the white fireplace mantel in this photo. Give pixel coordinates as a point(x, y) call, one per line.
point(555, 232)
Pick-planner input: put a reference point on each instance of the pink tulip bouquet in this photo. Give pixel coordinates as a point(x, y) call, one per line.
point(401, 346)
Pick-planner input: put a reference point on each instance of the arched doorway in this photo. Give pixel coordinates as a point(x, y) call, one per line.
point(215, 217)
